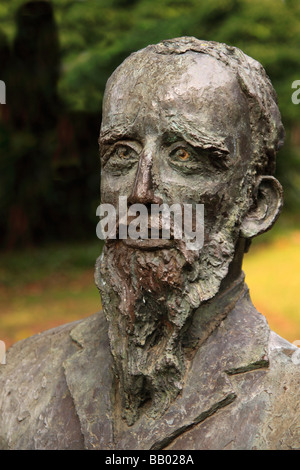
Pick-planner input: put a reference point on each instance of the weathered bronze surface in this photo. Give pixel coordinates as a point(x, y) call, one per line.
point(179, 358)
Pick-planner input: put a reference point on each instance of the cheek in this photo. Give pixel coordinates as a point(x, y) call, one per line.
point(218, 197)
point(114, 186)
point(198, 189)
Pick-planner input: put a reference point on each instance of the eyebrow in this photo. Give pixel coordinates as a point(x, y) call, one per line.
point(193, 137)
point(196, 139)
point(111, 136)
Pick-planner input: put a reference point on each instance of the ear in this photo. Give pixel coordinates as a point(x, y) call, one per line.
point(268, 201)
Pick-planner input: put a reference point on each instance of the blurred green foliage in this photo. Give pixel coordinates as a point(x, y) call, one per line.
point(95, 36)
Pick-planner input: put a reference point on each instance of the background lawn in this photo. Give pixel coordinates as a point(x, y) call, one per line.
point(272, 274)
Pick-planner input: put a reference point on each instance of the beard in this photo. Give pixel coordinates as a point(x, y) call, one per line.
point(149, 298)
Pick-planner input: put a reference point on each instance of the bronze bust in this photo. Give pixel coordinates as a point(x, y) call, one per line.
point(179, 358)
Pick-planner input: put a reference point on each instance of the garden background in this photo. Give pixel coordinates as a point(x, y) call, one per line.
point(55, 58)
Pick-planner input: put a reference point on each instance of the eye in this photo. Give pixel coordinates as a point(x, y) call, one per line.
point(181, 154)
point(120, 157)
point(121, 153)
point(124, 152)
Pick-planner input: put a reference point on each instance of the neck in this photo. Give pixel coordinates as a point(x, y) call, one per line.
point(235, 267)
point(210, 314)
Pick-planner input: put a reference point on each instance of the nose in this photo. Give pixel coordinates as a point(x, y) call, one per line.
point(143, 192)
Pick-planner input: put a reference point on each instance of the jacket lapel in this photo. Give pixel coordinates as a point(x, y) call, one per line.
point(89, 377)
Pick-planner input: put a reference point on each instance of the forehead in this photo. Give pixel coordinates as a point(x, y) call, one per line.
point(190, 93)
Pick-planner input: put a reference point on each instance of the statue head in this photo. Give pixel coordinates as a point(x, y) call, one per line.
point(184, 122)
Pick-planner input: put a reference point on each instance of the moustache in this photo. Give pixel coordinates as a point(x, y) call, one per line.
point(159, 229)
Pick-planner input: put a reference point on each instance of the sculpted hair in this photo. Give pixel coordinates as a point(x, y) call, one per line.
point(265, 119)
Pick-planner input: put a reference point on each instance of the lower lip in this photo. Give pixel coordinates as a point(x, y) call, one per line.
point(149, 244)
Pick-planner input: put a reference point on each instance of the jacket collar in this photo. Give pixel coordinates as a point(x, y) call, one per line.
point(89, 375)
point(232, 338)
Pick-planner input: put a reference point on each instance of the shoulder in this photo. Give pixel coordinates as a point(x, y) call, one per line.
point(281, 429)
point(262, 371)
point(46, 351)
point(37, 409)
point(276, 392)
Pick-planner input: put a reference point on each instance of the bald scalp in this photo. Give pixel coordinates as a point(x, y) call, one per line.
point(265, 120)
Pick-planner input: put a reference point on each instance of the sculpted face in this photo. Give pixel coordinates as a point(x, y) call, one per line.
point(175, 129)
point(175, 133)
